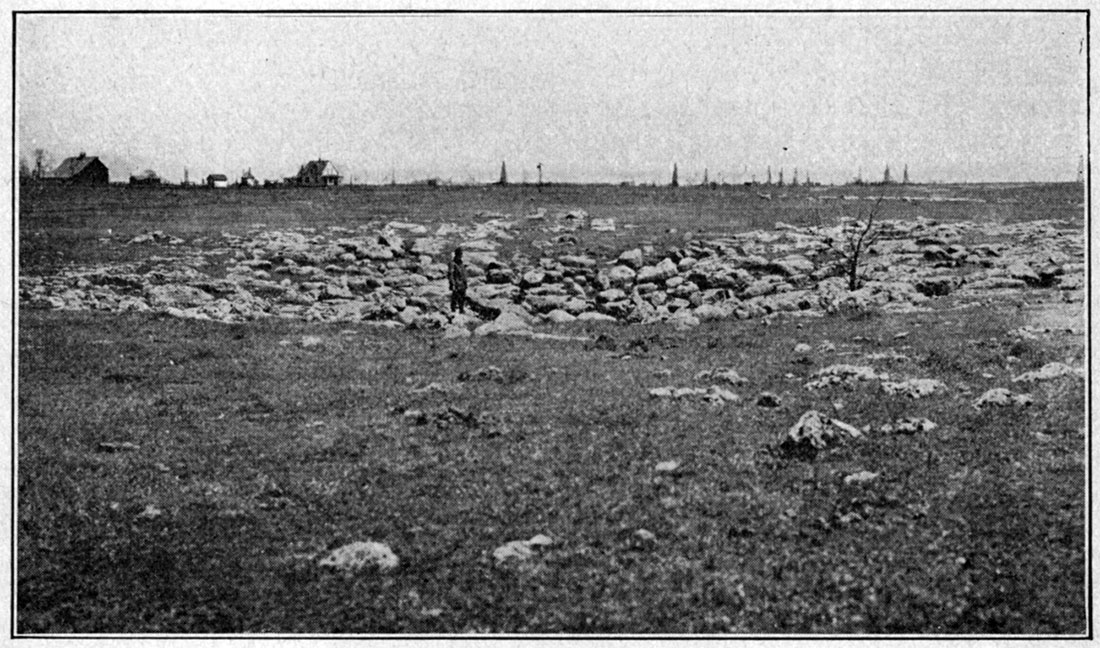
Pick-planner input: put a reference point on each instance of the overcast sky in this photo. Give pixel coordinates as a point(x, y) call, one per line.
point(604, 98)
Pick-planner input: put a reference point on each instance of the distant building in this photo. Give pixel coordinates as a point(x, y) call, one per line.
point(248, 180)
point(146, 177)
point(316, 173)
point(80, 170)
point(217, 181)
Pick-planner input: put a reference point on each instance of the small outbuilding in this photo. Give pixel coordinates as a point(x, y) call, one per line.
point(146, 177)
point(248, 180)
point(80, 170)
point(217, 181)
point(317, 173)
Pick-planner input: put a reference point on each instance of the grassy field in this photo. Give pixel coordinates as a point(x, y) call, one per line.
point(255, 454)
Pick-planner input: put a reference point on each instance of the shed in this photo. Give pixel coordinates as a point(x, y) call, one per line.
point(217, 181)
point(146, 177)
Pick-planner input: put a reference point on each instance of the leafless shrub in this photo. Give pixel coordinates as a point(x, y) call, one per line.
point(857, 236)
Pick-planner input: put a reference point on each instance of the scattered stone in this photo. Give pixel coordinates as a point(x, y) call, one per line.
point(719, 395)
point(1050, 371)
point(117, 446)
point(814, 432)
point(453, 332)
point(767, 399)
point(667, 466)
point(150, 513)
point(909, 425)
point(602, 224)
point(643, 539)
point(520, 550)
point(843, 374)
point(593, 316)
point(559, 316)
point(507, 323)
point(361, 555)
point(682, 320)
point(632, 258)
point(714, 394)
point(729, 375)
point(310, 341)
point(1001, 397)
point(913, 388)
point(859, 478)
point(802, 347)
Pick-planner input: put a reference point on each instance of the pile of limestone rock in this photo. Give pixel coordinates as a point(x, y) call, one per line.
point(395, 274)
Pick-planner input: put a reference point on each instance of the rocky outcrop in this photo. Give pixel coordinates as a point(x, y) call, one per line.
point(397, 273)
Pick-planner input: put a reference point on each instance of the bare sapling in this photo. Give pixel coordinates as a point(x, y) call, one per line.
point(858, 235)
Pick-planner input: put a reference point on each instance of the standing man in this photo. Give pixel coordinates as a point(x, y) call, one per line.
point(456, 279)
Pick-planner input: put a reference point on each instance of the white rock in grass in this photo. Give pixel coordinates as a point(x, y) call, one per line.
point(514, 550)
point(720, 395)
point(593, 316)
point(559, 316)
point(1049, 371)
point(814, 430)
point(310, 341)
point(913, 388)
point(507, 323)
point(661, 392)
point(359, 555)
point(861, 477)
point(541, 540)
point(843, 373)
point(1002, 397)
point(802, 347)
point(682, 320)
point(453, 332)
point(909, 425)
point(667, 466)
point(521, 550)
point(729, 375)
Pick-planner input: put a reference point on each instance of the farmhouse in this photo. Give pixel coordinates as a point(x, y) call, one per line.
point(248, 180)
point(146, 177)
point(82, 170)
point(316, 173)
point(217, 181)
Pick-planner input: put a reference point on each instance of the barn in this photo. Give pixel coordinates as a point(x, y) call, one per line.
point(217, 181)
point(317, 173)
point(80, 170)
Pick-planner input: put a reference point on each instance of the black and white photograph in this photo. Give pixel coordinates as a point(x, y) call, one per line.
point(593, 322)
